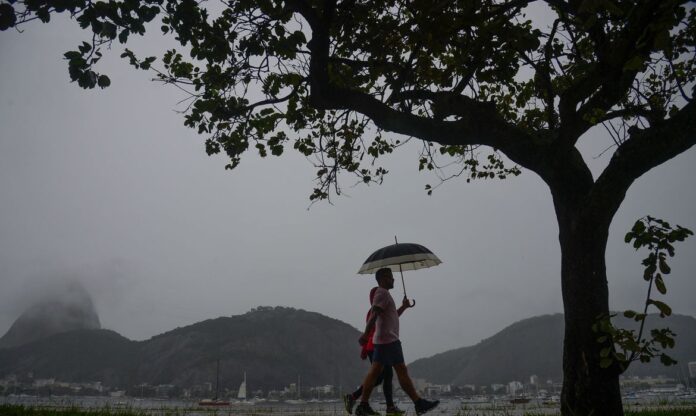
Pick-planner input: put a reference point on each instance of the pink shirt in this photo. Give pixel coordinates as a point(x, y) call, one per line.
point(387, 325)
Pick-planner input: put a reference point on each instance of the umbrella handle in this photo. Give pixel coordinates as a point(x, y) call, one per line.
point(404, 286)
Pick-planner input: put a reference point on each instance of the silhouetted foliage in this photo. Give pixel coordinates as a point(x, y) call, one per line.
point(658, 237)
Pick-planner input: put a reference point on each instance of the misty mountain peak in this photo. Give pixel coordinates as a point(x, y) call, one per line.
point(67, 308)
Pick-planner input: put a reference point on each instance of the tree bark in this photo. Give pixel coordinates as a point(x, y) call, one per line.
point(588, 389)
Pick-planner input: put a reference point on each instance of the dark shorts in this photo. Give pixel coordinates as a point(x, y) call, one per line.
point(388, 354)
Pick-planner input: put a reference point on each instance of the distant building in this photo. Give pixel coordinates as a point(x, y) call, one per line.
point(164, 390)
point(534, 380)
point(95, 385)
point(515, 387)
point(326, 389)
point(275, 394)
point(692, 369)
point(498, 388)
point(44, 382)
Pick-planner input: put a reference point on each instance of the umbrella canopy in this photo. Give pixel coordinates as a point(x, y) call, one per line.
point(400, 257)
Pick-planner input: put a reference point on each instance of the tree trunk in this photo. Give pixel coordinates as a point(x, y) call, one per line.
point(588, 389)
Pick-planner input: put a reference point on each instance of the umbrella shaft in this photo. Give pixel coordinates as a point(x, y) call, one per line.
point(402, 280)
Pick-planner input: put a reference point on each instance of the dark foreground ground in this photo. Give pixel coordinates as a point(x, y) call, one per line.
point(446, 409)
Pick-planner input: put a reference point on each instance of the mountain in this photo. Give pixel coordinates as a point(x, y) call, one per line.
point(273, 345)
point(67, 309)
point(81, 355)
point(524, 348)
point(535, 346)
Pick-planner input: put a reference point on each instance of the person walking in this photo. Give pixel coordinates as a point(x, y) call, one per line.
point(387, 347)
point(385, 378)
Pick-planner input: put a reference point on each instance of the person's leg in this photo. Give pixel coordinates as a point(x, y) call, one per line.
point(388, 376)
point(350, 398)
point(357, 393)
point(380, 379)
point(405, 381)
point(422, 406)
point(369, 382)
point(392, 409)
point(364, 408)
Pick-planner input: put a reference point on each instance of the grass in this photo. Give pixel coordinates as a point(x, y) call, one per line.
point(666, 412)
point(646, 412)
point(16, 410)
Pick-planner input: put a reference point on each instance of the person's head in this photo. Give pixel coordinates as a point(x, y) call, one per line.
point(385, 278)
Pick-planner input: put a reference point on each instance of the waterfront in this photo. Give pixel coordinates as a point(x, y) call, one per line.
point(495, 406)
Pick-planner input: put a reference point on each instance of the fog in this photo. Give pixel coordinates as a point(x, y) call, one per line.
point(108, 188)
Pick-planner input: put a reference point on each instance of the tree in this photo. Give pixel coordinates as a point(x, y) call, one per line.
point(475, 80)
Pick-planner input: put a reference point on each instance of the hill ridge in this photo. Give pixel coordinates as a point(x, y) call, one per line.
point(276, 344)
point(537, 344)
point(272, 344)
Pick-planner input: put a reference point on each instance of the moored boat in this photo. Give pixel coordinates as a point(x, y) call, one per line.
point(519, 400)
point(213, 402)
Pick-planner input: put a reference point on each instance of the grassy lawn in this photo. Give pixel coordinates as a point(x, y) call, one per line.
point(661, 412)
point(13, 410)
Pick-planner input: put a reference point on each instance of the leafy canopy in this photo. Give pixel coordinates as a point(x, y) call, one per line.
point(328, 78)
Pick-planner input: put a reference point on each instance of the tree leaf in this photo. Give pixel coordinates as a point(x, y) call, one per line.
point(103, 81)
point(665, 310)
point(664, 268)
point(660, 284)
point(7, 16)
point(667, 360)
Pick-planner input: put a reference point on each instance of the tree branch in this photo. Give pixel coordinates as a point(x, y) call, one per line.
point(479, 124)
point(608, 80)
point(277, 100)
point(645, 150)
point(303, 8)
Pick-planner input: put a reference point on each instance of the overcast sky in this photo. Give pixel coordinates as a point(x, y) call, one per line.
point(108, 187)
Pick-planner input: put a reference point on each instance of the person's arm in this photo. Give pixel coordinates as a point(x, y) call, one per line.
point(376, 310)
point(405, 304)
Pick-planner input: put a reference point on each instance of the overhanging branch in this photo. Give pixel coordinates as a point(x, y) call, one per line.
point(478, 124)
point(645, 150)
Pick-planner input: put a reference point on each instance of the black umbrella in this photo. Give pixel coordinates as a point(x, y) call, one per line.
point(400, 257)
